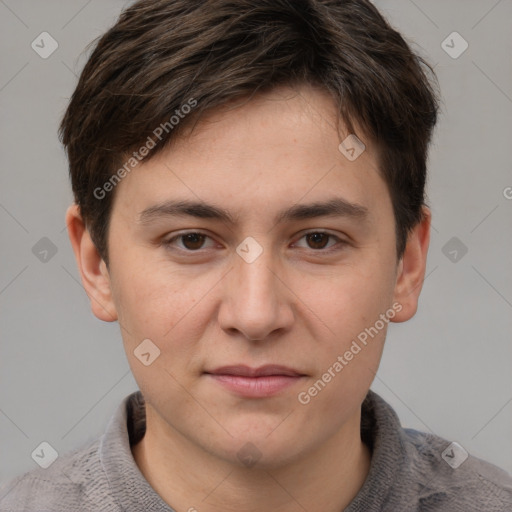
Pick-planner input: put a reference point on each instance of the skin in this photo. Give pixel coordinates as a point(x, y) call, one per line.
point(297, 304)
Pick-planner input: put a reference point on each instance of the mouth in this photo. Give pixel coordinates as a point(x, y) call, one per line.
point(259, 382)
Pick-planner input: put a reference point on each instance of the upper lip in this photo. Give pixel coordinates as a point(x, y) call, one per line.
point(247, 371)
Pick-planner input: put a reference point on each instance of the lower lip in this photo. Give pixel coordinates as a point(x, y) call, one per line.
point(256, 387)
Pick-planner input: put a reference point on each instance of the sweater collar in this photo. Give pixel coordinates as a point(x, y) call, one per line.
point(380, 430)
point(128, 486)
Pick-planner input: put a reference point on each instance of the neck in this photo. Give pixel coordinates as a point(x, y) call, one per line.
point(326, 479)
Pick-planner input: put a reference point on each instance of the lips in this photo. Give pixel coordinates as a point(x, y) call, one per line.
point(262, 371)
point(261, 382)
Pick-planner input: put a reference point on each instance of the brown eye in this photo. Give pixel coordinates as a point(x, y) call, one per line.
point(193, 241)
point(317, 240)
point(188, 242)
point(321, 242)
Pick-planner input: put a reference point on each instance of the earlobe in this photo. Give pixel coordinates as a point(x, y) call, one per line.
point(411, 269)
point(92, 268)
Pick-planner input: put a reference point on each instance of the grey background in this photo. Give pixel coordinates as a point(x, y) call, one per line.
point(447, 371)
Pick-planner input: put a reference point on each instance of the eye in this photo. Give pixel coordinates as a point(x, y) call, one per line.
point(192, 241)
point(318, 240)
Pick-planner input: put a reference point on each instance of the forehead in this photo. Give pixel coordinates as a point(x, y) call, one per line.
point(281, 148)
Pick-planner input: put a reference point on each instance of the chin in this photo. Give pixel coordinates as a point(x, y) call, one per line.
point(261, 451)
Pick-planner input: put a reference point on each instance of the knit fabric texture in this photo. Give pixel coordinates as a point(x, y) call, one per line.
point(408, 472)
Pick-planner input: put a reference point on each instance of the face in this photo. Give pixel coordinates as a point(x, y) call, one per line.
point(269, 303)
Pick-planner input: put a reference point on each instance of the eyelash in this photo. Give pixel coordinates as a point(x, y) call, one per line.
point(340, 243)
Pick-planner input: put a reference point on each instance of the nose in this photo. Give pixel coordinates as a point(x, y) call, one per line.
point(256, 301)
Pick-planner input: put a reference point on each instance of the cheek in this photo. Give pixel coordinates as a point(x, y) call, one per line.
point(168, 311)
point(151, 302)
point(347, 354)
point(347, 309)
point(349, 298)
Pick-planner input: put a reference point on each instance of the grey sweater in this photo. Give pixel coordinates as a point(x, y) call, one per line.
point(410, 471)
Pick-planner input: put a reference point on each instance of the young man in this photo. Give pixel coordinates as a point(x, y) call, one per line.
point(249, 184)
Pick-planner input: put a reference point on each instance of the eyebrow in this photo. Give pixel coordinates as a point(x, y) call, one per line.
point(335, 207)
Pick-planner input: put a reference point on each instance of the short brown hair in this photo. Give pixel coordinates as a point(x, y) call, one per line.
point(160, 54)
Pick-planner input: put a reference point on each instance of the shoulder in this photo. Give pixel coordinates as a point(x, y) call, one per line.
point(449, 478)
point(72, 482)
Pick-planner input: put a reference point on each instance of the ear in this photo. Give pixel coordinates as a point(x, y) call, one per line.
point(411, 269)
point(93, 270)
